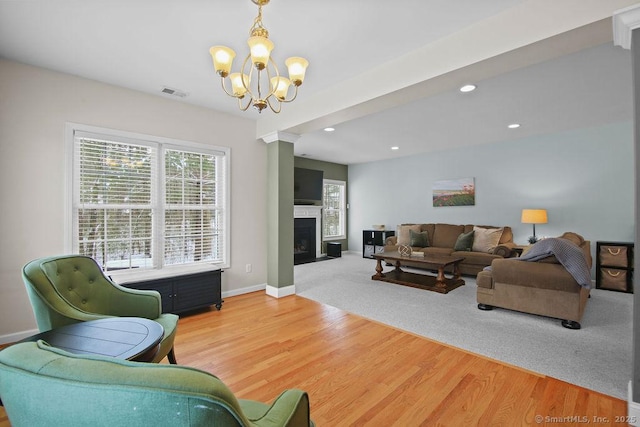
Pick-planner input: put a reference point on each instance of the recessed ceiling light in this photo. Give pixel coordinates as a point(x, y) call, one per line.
point(329, 129)
point(468, 88)
point(395, 148)
point(514, 126)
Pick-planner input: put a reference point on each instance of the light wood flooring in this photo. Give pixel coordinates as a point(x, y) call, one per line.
point(363, 373)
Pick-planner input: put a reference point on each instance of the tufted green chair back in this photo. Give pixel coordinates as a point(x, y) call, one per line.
point(41, 385)
point(73, 288)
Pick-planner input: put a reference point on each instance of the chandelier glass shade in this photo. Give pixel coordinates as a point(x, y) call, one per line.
point(259, 80)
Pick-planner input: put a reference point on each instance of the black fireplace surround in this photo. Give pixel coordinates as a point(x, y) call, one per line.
point(304, 240)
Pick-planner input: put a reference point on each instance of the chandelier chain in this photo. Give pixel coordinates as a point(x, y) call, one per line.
point(258, 28)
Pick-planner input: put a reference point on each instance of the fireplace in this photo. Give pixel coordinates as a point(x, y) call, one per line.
point(304, 240)
point(306, 233)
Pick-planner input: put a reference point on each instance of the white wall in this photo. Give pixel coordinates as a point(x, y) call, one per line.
point(584, 178)
point(35, 104)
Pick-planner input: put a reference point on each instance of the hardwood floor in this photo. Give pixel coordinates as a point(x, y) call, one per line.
point(362, 373)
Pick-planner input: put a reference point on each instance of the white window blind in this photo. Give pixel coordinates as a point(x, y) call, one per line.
point(333, 212)
point(194, 218)
point(147, 205)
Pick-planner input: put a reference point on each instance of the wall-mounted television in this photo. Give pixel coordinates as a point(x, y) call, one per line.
point(307, 185)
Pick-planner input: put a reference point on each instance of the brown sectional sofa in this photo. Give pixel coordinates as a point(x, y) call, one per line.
point(442, 239)
point(543, 287)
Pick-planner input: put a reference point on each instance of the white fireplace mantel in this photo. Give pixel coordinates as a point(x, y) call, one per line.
point(310, 211)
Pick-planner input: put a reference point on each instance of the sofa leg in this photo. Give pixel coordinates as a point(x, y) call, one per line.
point(571, 324)
point(485, 307)
point(172, 357)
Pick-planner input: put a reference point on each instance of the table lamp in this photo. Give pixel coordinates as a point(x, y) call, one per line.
point(534, 216)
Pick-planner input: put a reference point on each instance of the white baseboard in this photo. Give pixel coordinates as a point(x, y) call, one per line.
point(633, 411)
point(281, 292)
point(247, 290)
point(17, 336)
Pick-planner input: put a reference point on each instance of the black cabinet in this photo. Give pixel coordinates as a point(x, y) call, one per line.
point(614, 266)
point(186, 292)
point(373, 241)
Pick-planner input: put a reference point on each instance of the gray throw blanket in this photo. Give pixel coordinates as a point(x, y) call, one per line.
point(568, 254)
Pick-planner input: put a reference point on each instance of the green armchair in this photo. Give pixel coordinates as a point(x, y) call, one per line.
point(73, 288)
point(42, 385)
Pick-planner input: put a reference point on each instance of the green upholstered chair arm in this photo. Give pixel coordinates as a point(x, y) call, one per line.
point(42, 385)
point(280, 411)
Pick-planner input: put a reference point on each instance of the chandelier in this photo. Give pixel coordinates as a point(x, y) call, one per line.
point(258, 79)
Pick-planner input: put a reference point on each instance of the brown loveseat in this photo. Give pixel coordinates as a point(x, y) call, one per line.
point(441, 240)
point(544, 287)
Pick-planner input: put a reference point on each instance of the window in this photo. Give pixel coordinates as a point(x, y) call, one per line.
point(333, 212)
point(148, 203)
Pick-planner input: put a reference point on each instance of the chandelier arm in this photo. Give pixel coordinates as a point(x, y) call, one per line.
point(246, 107)
point(271, 106)
point(222, 80)
point(272, 90)
point(247, 84)
point(295, 94)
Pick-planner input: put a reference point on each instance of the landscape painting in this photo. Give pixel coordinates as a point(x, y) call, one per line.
point(454, 192)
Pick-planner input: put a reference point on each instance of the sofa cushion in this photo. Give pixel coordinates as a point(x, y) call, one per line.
point(476, 258)
point(432, 250)
point(486, 239)
point(429, 228)
point(418, 239)
point(464, 242)
point(402, 232)
point(446, 235)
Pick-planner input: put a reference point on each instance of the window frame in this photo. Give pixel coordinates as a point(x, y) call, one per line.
point(72, 181)
point(342, 210)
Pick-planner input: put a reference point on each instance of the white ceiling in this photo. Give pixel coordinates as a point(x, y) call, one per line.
point(148, 44)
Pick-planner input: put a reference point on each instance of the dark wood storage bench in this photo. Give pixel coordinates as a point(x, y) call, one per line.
point(186, 292)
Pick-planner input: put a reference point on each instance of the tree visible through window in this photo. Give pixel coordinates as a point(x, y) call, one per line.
point(333, 212)
point(140, 204)
point(191, 218)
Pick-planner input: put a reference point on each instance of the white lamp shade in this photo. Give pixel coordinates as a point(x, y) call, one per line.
point(260, 48)
point(297, 68)
point(280, 87)
point(222, 59)
point(237, 86)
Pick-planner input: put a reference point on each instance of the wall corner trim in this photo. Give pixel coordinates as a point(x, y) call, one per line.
point(272, 291)
point(280, 136)
point(633, 411)
point(624, 22)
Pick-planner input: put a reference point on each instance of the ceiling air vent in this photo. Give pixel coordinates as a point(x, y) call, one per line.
point(174, 92)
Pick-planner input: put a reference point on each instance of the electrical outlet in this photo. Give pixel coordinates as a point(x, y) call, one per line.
point(247, 268)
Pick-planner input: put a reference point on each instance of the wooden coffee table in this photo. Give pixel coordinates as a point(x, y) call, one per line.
point(130, 338)
point(439, 283)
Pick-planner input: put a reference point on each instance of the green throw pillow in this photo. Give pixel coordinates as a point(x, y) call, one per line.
point(464, 242)
point(420, 240)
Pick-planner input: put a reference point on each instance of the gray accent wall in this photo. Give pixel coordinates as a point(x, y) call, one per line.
point(584, 178)
point(331, 171)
